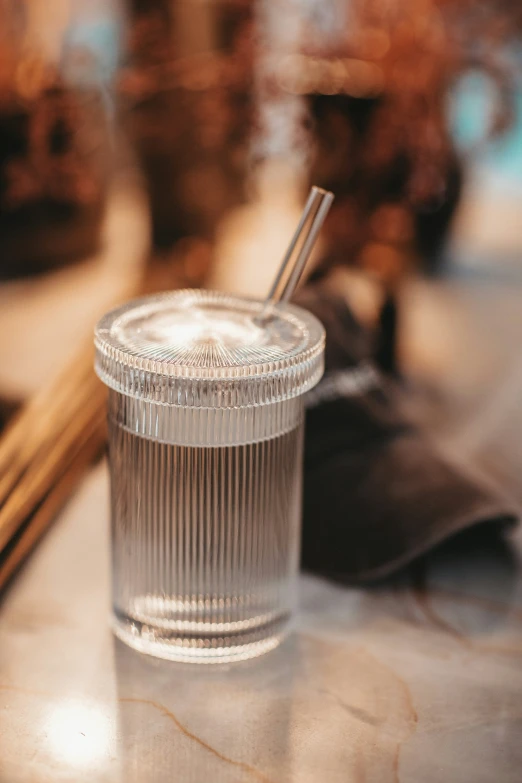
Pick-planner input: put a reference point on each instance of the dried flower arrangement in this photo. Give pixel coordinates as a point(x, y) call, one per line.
point(189, 110)
point(375, 77)
point(379, 96)
point(52, 165)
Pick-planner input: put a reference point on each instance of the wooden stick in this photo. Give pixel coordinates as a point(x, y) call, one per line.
point(47, 465)
point(39, 428)
point(89, 448)
point(37, 416)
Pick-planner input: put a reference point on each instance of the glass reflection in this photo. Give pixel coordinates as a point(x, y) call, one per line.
point(193, 723)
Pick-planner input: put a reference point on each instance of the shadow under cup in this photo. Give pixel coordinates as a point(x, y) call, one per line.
point(205, 447)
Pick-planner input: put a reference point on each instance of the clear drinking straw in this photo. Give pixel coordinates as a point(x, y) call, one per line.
point(292, 266)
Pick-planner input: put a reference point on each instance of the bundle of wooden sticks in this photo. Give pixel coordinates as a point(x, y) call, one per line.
point(54, 438)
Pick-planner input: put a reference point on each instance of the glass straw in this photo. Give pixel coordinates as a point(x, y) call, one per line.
point(310, 223)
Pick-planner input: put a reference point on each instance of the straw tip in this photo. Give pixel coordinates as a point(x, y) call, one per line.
point(322, 192)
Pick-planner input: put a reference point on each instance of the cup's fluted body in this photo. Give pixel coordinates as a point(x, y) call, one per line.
point(205, 451)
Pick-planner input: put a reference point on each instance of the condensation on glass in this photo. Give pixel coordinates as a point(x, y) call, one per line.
point(205, 448)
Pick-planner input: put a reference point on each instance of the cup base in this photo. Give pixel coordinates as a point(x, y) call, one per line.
point(203, 649)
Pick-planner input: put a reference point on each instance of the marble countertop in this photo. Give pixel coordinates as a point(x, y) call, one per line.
point(417, 680)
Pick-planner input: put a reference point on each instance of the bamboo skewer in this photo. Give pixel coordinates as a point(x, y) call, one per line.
point(25, 440)
point(44, 467)
point(89, 447)
point(37, 416)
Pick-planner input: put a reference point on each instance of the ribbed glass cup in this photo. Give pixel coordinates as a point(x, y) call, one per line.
point(205, 452)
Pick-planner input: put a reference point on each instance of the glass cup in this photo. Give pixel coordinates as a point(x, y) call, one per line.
point(205, 453)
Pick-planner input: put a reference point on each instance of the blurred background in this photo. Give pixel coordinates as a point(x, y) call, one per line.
point(149, 144)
